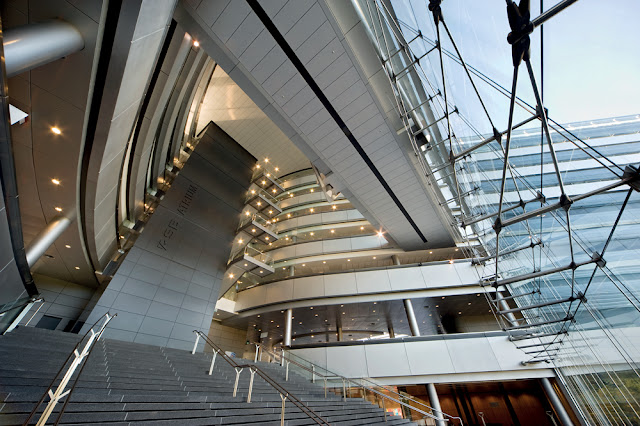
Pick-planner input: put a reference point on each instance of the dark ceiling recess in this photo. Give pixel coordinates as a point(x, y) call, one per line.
point(270, 26)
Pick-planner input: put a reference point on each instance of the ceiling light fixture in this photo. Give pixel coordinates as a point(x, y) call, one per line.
point(77, 267)
point(266, 160)
point(67, 246)
point(196, 44)
point(56, 130)
point(55, 181)
point(230, 275)
point(58, 209)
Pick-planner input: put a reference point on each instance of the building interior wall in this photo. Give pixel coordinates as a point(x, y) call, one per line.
point(169, 283)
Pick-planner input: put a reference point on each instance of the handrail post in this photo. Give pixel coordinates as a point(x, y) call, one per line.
point(313, 373)
point(325, 386)
point(286, 376)
point(253, 373)
point(344, 391)
point(195, 345)
point(213, 361)
point(282, 358)
point(284, 400)
point(255, 357)
point(235, 386)
point(384, 408)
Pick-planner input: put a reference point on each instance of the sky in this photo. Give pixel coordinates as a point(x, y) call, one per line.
point(591, 57)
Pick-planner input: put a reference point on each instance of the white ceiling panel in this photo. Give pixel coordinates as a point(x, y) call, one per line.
point(230, 108)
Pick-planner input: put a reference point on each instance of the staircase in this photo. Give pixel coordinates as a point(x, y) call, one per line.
point(130, 384)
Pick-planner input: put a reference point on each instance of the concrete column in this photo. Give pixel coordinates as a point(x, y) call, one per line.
point(556, 403)
point(41, 243)
point(392, 334)
point(288, 322)
point(292, 271)
point(33, 45)
point(505, 306)
point(413, 323)
point(435, 404)
point(395, 259)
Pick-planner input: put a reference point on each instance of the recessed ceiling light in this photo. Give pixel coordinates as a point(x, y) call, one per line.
point(361, 228)
point(311, 189)
point(259, 203)
point(290, 195)
point(266, 160)
point(311, 233)
point(374, 257)
point(56, 130)
point(430, 252)
point(288, 214)
point(240, 241)
point(230, 275)
point(67, 246)
point(311, 210)
point(55, 181)
point(304, 264)
point(379, 233)
point(77, 267)
point(58, 209)
point(333, 206)
point(196, 44)
point(277, 169)
point(324, 261)
point(348, 260)
point(333, 231)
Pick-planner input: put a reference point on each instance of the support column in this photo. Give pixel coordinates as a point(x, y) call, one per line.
point(288, 321)
point(413, 323)
point(45, 238)
point(292, 270)
point(504, 306)
point(395, 259)
point(435, 404)
point(556, 403)
point(392, 334)
point(33, 45)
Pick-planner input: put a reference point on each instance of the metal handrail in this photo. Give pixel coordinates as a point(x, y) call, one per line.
point(361, 379)
point(253, 369)
point(60, 393)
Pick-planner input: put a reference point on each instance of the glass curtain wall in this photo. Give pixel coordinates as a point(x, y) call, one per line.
point(549, 211)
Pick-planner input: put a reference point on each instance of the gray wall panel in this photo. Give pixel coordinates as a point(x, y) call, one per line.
point(169, 282)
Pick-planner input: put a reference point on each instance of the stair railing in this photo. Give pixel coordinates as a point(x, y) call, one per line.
point(78, 358)
point(369, 386)
point(253, 370)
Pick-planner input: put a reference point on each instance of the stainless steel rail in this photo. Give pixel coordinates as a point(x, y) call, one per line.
point(286, 360)
point(79, 358)
point(253, 369)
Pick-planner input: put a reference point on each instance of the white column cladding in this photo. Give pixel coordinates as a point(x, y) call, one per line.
point(413, 323)
point(41, 243)
point(555, 401)
point(435, 404)
point(33, 45)
point(505, 306)
point(288, 322)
